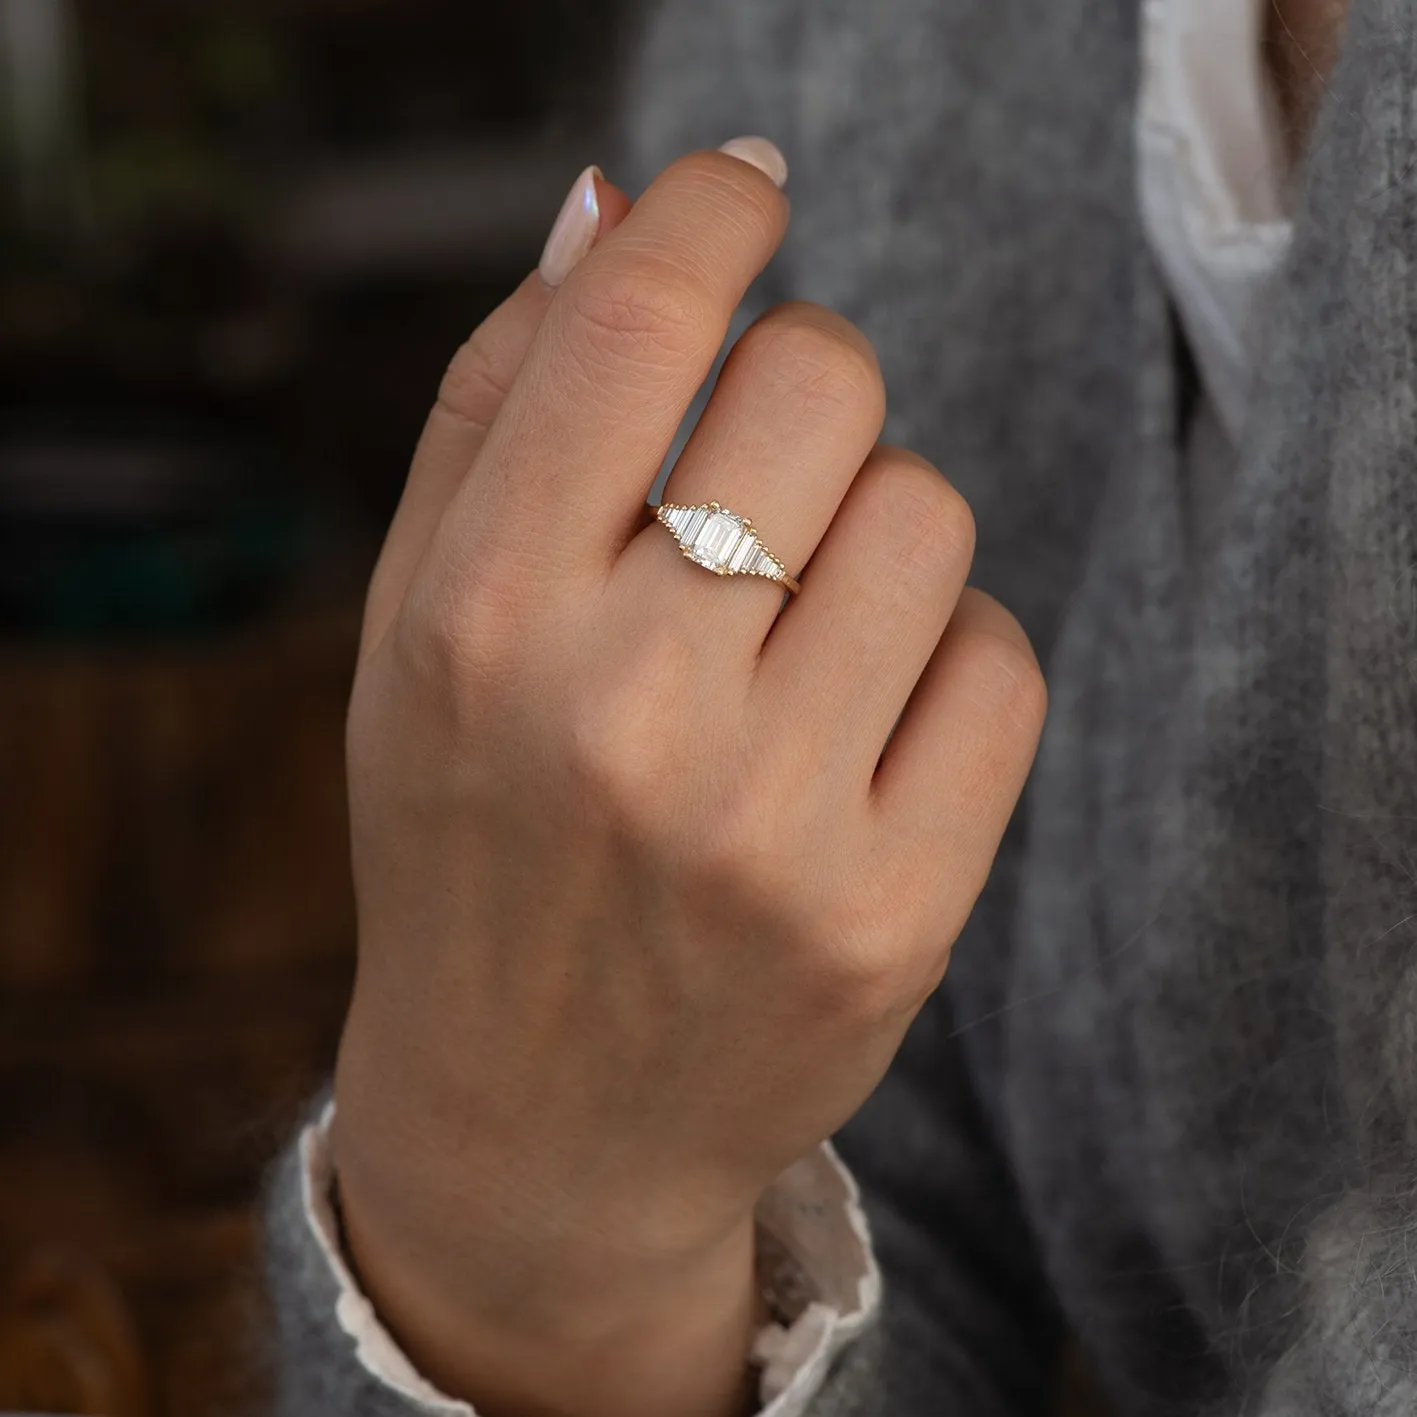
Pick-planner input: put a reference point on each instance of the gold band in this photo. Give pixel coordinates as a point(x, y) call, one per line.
point(722, 542)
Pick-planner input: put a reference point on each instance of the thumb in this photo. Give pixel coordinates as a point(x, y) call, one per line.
point(472, 391)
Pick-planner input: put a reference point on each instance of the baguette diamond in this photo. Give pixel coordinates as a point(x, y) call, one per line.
point(744, 552)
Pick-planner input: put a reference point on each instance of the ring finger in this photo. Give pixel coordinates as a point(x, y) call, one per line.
point(798, 405)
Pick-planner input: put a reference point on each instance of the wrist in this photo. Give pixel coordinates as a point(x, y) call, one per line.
point(521, 1317)
point(676, 1352)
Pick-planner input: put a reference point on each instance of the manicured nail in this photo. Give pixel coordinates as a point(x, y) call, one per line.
point(576, 227)
point(765, 156)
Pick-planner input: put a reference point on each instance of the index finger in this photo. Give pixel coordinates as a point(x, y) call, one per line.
point(624, 347)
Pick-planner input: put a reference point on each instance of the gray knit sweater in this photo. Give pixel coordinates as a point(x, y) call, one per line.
point(1167, 1096)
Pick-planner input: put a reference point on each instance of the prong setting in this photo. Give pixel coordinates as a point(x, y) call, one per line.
point(719, 540)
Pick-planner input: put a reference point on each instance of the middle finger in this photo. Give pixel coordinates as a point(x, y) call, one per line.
point(614, 366)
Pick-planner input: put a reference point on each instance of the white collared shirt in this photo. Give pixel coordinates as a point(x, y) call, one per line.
point(1210, 181)
point(1211, 176)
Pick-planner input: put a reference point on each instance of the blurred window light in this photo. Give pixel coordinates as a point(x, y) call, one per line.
point(40, 112)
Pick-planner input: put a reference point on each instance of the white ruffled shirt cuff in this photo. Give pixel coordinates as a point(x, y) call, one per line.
point(814, 1253)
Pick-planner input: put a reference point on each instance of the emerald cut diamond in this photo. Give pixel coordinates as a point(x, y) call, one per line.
point(712, 543)
point(719, 540)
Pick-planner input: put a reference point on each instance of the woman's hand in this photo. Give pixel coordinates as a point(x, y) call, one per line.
point(653, 872)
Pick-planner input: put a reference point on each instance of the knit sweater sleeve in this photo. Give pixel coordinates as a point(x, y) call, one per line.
point(335, 1355)
point(910, 1291)
point(1335, 424)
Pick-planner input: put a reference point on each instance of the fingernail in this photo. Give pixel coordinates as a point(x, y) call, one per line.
point(765, 156)
point(574, 231)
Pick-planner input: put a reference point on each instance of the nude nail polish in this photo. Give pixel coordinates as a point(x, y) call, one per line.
point(574, 231)
point(765, 156)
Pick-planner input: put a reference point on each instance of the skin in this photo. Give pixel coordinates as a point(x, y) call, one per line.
point(605, 995)
point(652, 872)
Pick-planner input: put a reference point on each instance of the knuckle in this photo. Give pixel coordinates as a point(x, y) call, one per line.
point(858, 975)
point(736, 831)
point(471, 630)
point(619, 751)
point(476, 380)
point(931, 503)
point(644, 311)
point(820, 359)
point(603, 755)
point(744, 836)
point(711, 184)
point(851, 940)
point(1008, 673)
point(929, 976)
point(925, 510)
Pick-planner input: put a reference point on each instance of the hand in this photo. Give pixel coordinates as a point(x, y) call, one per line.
point(652, 871)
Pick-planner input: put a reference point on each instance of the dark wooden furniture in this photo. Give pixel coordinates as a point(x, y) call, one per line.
point(175, 953)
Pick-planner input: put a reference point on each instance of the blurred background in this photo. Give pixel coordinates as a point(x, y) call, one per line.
point(238, 242)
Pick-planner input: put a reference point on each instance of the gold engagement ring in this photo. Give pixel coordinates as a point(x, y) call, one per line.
point(723, 542)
